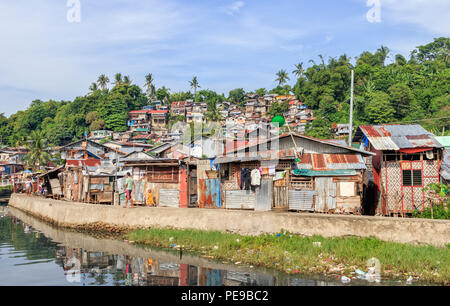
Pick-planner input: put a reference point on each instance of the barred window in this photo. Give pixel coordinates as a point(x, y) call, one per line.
point(412, 177)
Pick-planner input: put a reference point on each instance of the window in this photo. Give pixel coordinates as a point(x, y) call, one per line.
point(412, 177)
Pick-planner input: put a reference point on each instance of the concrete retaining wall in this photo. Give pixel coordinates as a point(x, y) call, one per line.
point(416, 231)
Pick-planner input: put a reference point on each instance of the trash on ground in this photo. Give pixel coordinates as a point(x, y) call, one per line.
point(345, 280)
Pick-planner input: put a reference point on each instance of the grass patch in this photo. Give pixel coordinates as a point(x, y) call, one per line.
point(297, 254)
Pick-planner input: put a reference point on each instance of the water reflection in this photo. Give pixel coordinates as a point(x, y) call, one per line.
point(34, 253)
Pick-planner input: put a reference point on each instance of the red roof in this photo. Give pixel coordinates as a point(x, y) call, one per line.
point(144, 111)
point(159, 112)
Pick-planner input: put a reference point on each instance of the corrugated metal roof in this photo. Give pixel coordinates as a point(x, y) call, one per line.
point(253, 156)
point(396, 137)
point(323, 162)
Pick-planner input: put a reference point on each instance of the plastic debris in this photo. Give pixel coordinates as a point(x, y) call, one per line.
point(216, 247)
point(173, 245)
point(359, 272)
point(237, 263)
point(171, 238)
point(409, 280)
point(278, 235)
point(317, 244)
point(345, 280)
point(237, 240)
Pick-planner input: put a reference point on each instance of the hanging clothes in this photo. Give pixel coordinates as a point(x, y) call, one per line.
point(256, 177)
point(247, 179)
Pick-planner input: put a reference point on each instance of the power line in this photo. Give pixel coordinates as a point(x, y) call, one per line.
point(420, 120)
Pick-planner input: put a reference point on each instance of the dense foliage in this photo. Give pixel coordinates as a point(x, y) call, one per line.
point(405, 91)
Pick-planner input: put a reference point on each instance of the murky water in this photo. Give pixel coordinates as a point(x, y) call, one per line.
point(35, 253)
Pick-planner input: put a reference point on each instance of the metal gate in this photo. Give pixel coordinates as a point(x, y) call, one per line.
point(169, 198)
point(213, 193)
point(326, 194)
point(302, 199)
point(240, 199)
point(264, 195)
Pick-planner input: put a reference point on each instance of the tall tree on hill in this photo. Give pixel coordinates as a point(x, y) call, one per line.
point(383, 54)
point(103, 81)
point(298, 72)
point(126, 80)
point(194, 84)
point(93, 87)
point(282, 77)
point(118, 79)
point(151, 90)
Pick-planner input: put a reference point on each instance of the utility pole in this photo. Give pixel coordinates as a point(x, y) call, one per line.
point(351, 112)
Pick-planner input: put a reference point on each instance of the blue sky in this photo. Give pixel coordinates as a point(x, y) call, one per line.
point(226, 44)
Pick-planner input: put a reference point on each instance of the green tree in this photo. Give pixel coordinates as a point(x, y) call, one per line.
point(401, 97)
point(282, 77)
point(118, 79)
point(379, 108)
point(261, 92)
point(298, 72)
point(278, 109)
point(38, 155)
point(195, 85)
point(237, 96)
point(151, 91)
point(93, 87)
point(103, 81)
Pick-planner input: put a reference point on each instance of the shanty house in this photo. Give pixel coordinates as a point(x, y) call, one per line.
point(166, 179)
point(297, 173)
point(407, 159)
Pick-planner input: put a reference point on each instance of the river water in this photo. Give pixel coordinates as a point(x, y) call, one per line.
point(35, 253)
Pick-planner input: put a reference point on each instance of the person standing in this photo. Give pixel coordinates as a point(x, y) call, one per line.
point(28, 186)
point(129, 185)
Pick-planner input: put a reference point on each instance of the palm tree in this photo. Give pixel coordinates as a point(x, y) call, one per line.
point(118, 78)
point(94, 87)
point(194, 84)
point(103, 81)
point(127, 80)
point(298, 70)
point(322, 61)
point(37, 156)
point(151, 90)
point(383, 53)
point(282, 77)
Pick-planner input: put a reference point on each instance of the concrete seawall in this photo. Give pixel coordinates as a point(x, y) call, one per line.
point(68, 214)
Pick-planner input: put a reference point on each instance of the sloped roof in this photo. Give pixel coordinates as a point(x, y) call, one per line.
point(396, 137)
point(323, 162)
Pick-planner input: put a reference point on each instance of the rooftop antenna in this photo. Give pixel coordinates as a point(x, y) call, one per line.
point(350, 132)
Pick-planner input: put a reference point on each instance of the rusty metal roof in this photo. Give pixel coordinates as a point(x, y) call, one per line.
point(396, 137)
point(322, 162)
point(268, 155)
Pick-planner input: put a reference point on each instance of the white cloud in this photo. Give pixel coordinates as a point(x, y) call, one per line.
point(234, 8)
point(432, 15)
